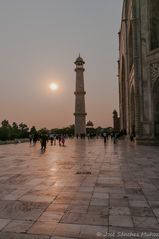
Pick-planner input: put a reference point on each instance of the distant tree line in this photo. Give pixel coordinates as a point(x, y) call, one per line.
point(64, 131)
point(14, 131)
point(21, 131)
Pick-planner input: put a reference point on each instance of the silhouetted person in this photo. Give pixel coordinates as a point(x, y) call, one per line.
point(51, 139)
point(63, 140)
point(30, 138)
point(114, 137)
point(35, 138)
point(59, 138)
point(105, 137)
point(43, 141)
point(132, 136)
point(54, 139)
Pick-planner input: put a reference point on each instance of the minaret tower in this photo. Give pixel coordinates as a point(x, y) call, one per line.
point(80, 114)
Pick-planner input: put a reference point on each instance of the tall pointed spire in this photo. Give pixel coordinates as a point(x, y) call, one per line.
point(80, 114)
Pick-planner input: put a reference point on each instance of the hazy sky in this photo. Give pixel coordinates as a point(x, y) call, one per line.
point(40, 40)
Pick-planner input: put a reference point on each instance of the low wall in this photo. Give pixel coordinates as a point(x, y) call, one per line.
point(15, 141)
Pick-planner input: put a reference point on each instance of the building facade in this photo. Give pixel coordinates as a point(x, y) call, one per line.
point(138, 70)
point(80, 114)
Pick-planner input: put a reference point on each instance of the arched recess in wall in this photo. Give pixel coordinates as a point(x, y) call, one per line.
point(123, 92)
point(130, 47)
point(132, 110)
point(153, 8)
point(156, 107)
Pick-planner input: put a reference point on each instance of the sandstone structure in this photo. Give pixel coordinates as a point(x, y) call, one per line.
point(116, 121)
point(80, 114)
point(138, 69)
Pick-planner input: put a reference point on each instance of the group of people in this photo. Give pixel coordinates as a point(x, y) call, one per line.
point(116, 135)
point(44, 138)
point(113, 135)
point(59, 138)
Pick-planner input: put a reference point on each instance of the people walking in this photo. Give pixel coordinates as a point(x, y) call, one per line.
point(35, 138)
point(51, 139)
point(132, 136)
point(105, 137)
point(43, 141)
point(63, 140)
point(30, 138)
point(59, 138)
point(114, 137)
point(54, 139)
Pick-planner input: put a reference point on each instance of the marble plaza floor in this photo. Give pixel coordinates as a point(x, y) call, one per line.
point(84, 190)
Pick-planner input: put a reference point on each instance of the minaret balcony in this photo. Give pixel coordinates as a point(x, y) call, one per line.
point(80, 114)
point(79, 92)
point(79, 69)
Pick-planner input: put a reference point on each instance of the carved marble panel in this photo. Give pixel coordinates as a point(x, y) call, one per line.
point(154, 71)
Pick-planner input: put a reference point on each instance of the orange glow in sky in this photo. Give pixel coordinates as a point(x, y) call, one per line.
point(39, 44)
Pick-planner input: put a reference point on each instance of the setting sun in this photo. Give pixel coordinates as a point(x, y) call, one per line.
point(54, 86)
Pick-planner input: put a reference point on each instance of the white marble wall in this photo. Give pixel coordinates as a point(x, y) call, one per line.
point(144, 73)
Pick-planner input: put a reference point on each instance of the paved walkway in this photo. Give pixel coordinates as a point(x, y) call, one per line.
point(84, 190)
